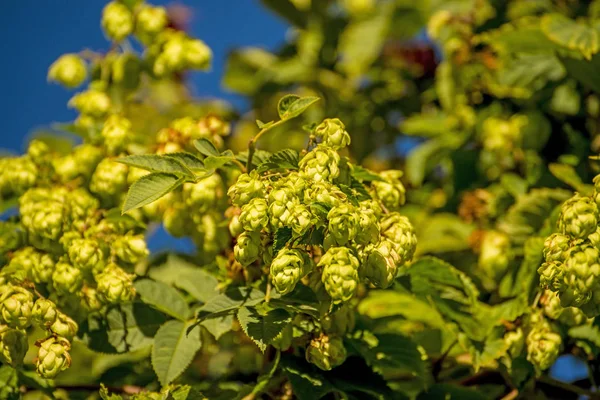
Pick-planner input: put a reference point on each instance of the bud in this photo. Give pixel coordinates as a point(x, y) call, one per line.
point(382, 264)
point(578, 217)
point(64, 326)
point(340, 273)
point(53, 356)
point(117, 21)
point(115, 285)
point(247, 187)
point(197, 54)
point(87, 254)
point(69, 70)
point(320, 164)
point(333, 132)
point(543, 346)
point(495, 254)
point(150, 21)
point(44, 312)
point(254, 215)
point(556, 247)
point(94, 103)
point(109, 179)
point(66, 278)
point(16, 305)
point(130, 248)
point(326, 352)
point(287, 268)
point(399, 230)
point(391, 191)
point(344, 222)
point(247, 248)
point(116, 133)
point(13, 346)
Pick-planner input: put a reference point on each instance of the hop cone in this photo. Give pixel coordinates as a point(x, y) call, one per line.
point(66, 278)
point(64, 326)
point(53, 356)
point(320, 164)
point(495, 254)
point(343, 223)
point(16, 305)
point(247, 187)
point(281, 206)
point(324, 192)
point(204, 195)
point(400, 232)
point(368, 225)
point(340, 273)
point(92, 103)
point(130, 248)
point(556, 247)
point(543, 346)
point(382, 264)
point(326, 352)
point(69, 70)
point(109, 179)
point(301, 219)
point(254, 215)
point(87, 254)
point(578, 217)
point(13, 345)
point(287, 268)
point(114, 285)
point(333, 132)
point(44, 312)
point(247, 248)
point(117, 21)
point(391, 191)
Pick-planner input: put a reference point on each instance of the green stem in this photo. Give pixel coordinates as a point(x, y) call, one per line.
point(566, 386)
point(252, 143)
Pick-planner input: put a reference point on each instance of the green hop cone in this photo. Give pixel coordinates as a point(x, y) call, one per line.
point(23, 262)
point(543, 347)
point(596, 195)
point(391, 191)
point(398, 229)
point(53, 356)
point(254, 215)
point(247, 187)
point(20, 174)
point(340, 322)
point(90, 299)
point(39, 152)
point(117, 21)
point(235, 226)
point(340, 273)
point(93, 103)
point(13, 346)
point(551, 275)
point(64, 326)
point(287, 268)
point(382, 264)
point(66, 278)
point(16, 304)
point(116, 132)
point(204, 195)
point(344, 222)
point(150, 21)
point(114, 285)
point(495, 254)
point(333, 132)
point(570, 316)
point(197, 54)
point(69, 70)
point(320, 164)
point(109, 179)
point(368, 225)
point(301, 219)
point(326, 193)
point(556, 247)
point(130, 248)
point(86, 158)
point(44, 312)
point(176, 220)
point(326, 352)
point(248, 247)
point(580, 285)
point(515, 341)
point(282, 202)
point(578, 217)
point(87, 254)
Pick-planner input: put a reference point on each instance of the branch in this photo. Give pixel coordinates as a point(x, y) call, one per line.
point(252, 143)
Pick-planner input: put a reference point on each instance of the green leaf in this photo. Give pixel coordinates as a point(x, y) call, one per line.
point(125, 328)
point(9, 383)
point(150, 188)
point(514, 184)
point(446, 391)
point(260, 156)
point(206, 147)
point(263, 328)
point(443, 233)
point(308, 382)
point(362, 174)
point(571, 34)
point(428, 155)
point(162, 297)
point(216, 162)
point(387, 303)
point(284, 159)
point(218, 326)
point(199, 283)
point(231, 300)
point(291, 105)
point(264, 380)
point(584, 71)
point(157, 163)
point(314, 236)
point(263, 125)
point(282, 237)
point(567, 174)
point(189, 160)
point(173, 350)
point(288, 10)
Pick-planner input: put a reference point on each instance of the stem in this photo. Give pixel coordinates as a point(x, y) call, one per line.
point(252, 143)
point(567, 386)
point(239, 164)
point(591, 375)
point(268, 292)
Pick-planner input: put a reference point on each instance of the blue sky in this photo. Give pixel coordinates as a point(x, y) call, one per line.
point(35, 32)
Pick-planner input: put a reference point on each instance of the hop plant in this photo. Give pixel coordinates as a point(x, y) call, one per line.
point(390, 191)
point(344, 222)
point(130, 248)
point(287, 268)
point(333, 132)
point(247, 249)
point(87, 254)
point(578, 217)
point(44, 312)
point(66, 278)
point(381, 266)
point(64, 326)
point(93, 103)
point(16, 304)
point(116, 133)
point(117, 21)
point(69, 70)
point(398, 229)
point(150, 21)
point(114, 285)
point(321, 164)
point(53, 356)
point(326, 352)
point(247, 187)
point(556, 247)
point(254, 215)
point(13, 345)
point(340, 273)
point(109, 179)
